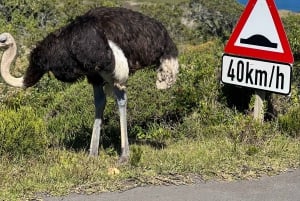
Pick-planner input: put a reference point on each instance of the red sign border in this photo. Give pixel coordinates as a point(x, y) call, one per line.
point(285, 57)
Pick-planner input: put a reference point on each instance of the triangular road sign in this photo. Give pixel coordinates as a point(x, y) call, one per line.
point(260, 34)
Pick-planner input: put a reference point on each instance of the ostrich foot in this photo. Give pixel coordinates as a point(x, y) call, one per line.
point(123, 159)
point(93, 154)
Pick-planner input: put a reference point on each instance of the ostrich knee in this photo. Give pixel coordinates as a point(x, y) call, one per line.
point(121, 98)
point(99, 101)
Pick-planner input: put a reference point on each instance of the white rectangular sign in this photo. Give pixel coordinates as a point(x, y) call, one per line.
point(257, 74)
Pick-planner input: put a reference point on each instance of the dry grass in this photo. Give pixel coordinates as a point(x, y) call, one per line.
point(61, 171)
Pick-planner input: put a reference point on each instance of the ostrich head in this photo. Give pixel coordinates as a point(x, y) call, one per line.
point(3, 38)
point(8, 43)
point(166, 75)
point(6, 40)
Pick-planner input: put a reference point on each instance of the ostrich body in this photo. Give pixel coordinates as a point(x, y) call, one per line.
point(105, 45)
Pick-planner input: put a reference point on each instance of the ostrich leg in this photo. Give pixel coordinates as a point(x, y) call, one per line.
point(99, 101)
point(121, 98)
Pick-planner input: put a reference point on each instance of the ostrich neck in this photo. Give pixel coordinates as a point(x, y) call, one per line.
point(7, 59)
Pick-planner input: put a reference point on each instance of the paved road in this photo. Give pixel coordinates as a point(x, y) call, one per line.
point(285, 187)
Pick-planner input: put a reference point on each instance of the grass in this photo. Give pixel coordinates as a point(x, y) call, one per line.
point(59, 172)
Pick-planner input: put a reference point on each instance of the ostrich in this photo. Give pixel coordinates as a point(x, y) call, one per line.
point(105, 45)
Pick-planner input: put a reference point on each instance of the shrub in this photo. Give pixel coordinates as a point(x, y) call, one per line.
point(30, 21)
point(169, 15)
point(198, 84)
point(214, 18)
point(22, 133)
point(70, 116)
point(290, 123)
point(292, 27)
point(24, 19)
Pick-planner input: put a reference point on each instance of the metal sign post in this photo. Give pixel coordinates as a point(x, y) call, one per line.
point(258, 112)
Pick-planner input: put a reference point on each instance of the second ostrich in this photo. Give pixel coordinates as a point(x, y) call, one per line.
point(105, 45)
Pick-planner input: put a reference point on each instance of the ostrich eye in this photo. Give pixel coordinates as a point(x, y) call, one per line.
point(3, 39)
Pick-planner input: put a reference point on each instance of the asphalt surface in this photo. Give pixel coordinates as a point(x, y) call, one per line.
point(284, 187)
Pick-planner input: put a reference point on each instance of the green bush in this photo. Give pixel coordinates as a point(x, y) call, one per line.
point(196, 20)
point(29, 21)
point(170, 17)
point(198, 84)
point(22, 133)
point(292, 28)
point(214, 18)
point(24, 19)
point(290, 123)
point(70, 116)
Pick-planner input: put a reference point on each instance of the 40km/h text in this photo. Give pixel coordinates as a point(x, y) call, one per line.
point(257, 74)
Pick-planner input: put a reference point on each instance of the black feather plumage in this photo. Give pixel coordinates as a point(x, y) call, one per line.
point(81, 47)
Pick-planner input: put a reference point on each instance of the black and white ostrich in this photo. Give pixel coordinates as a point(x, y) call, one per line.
point(105, 45)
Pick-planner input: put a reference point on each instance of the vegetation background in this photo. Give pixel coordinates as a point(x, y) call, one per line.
point(199, 129)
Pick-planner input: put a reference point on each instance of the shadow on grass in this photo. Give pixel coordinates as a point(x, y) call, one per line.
point(110, 138)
